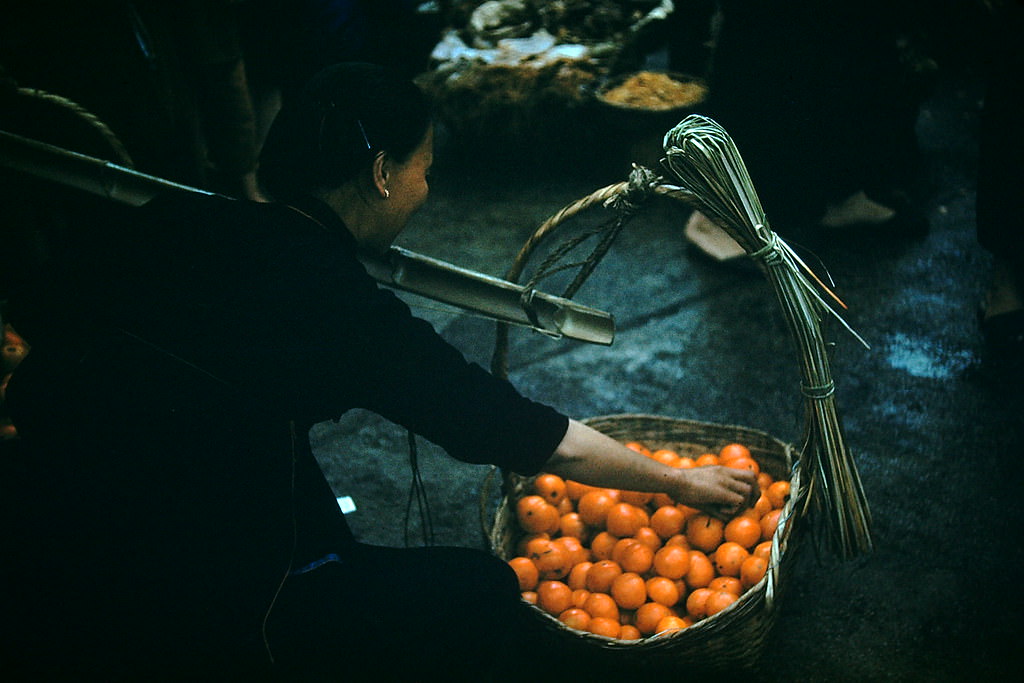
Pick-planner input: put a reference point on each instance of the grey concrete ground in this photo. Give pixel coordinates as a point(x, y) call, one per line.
point(935, 428)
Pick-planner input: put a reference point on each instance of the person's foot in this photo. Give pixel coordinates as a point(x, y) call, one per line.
point(893, 213)
point(857, 209)
point(710, 239)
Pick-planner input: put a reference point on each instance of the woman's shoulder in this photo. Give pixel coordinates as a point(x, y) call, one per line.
point(201, 207)
point(207, 219)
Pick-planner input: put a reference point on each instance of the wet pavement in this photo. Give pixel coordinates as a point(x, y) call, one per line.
point(934, 425)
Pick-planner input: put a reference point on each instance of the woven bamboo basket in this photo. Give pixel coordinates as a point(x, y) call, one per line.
point(825, 486)
point(732, 638)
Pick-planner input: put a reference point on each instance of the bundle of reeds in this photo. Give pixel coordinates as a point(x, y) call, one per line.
point(713, 178)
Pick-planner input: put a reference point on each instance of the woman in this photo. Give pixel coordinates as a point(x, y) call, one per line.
point(168, 465)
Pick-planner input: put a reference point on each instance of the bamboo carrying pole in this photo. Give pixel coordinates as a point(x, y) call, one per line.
point(398, 268)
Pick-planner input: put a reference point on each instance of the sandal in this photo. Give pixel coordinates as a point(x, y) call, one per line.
point(890, 214)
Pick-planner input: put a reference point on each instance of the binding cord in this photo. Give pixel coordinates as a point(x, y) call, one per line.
point(625, 204)
point(608, 231)
point(418, 493)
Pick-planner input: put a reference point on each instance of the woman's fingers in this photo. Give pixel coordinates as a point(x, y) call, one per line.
point(720, 491)
point(743, 482)
point(738, 492)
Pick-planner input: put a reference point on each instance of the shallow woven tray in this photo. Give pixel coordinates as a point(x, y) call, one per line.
point(732, 638)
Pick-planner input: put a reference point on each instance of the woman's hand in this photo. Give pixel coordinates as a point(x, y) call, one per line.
point(720, 491)
point(590, 457)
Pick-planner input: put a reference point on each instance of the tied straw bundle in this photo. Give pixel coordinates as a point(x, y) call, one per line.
point(714, 179)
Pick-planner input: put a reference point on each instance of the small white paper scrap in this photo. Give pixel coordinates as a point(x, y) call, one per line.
point(346, 504)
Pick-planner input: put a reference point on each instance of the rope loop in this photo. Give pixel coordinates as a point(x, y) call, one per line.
point(769, 254)
point(819, 392)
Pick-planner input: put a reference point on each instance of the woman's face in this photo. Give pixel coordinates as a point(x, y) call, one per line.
point(408, 189)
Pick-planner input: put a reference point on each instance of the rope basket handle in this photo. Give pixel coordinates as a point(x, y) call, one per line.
point(713, 179)
point(499, 359)
point(625, 195)
point(642, 184)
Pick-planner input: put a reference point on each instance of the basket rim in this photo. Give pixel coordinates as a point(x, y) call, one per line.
point(654, 417)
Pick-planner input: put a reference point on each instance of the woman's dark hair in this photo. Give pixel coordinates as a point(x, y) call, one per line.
point(343, 117)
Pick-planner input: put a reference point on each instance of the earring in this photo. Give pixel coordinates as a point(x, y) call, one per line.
point(387, 193)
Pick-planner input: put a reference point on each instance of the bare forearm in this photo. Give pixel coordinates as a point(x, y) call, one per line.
point(593, 458)
point(588, 456)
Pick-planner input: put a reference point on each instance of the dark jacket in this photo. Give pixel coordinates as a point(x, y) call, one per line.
point(166, 480)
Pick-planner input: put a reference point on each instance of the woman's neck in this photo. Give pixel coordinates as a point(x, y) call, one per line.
point(351, 206)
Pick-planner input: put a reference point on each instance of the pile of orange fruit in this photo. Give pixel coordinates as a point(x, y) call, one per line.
point(629, 565)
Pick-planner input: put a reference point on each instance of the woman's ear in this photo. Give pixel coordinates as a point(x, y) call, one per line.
point(381, 172)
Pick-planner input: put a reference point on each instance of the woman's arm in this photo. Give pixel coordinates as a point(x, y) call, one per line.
point(590, 457)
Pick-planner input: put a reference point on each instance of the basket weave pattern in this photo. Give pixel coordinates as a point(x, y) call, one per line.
point(733, 637)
